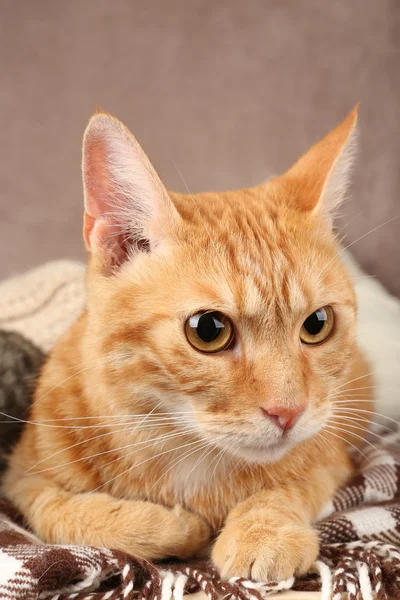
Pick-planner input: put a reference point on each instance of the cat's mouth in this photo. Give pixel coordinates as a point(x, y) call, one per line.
point(260, 444)
point(256, 450)
point(257, 453)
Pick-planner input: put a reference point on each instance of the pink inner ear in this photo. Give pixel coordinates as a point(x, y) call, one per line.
point(127, 209)
point(104, 236)
point(88, 224)
point(96, 178)
point(101, 231)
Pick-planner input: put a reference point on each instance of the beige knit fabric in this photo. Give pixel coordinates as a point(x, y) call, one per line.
point(44, 302)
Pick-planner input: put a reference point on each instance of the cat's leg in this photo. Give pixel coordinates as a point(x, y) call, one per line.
point(269, 536)
point(140, 528)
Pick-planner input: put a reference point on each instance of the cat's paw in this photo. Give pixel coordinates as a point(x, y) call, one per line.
point(197, 533)
point(262, 553)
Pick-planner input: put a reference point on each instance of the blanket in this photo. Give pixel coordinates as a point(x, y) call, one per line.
point(360, 552)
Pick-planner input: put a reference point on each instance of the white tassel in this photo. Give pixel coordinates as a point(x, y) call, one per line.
point(351, 588)
point(179, 586)
point(365, 582)
point(264, 588)
point(326, 579)
point(166, 588)
point(128, 589)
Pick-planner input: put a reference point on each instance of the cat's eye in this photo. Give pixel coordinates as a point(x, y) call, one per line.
point(318, 326)
point(209, 331)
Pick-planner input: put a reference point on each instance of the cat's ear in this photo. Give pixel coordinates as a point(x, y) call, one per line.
point(319, 180)
point(127, 208)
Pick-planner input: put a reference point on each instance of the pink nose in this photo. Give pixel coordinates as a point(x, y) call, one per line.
point(285, 418)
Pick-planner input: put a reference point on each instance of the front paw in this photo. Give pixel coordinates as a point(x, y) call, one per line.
point(259, 552)
point(197, 534)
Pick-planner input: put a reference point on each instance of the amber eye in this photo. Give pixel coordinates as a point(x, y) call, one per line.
point(209, 331)
point(318, 326)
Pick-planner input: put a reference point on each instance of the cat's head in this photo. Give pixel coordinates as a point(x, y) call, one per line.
point(232, 309)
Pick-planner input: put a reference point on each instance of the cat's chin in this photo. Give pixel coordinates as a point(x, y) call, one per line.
point(262, 455)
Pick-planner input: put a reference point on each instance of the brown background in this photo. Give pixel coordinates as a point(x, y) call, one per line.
point(228, 92)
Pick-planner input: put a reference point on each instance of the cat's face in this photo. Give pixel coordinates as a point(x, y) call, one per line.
point(231, 309)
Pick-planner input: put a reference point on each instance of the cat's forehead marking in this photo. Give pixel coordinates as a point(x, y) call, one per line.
point(271, 257)
point(286, 294)
point(253, 299)
point(297, 297)
point(271, 270)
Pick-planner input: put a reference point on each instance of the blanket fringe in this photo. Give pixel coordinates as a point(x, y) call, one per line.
point(367, 570)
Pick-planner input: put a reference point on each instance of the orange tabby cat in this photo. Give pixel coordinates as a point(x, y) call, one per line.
point(207, 390)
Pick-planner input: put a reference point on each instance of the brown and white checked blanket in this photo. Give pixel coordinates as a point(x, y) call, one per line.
point(360, 552)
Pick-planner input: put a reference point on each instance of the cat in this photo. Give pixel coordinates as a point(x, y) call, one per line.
point(206, 399)
point(20, 361)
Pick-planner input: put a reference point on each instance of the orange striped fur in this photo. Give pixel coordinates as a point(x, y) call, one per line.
point(138, 442)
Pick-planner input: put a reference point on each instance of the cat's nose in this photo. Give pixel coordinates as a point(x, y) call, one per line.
point(285, 418)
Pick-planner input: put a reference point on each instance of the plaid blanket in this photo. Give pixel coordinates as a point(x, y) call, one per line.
point(360, 552)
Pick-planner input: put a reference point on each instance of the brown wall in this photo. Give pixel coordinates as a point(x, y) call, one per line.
point(228, 92)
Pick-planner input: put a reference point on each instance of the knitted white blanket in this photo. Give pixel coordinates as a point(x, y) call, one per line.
point(44, 302)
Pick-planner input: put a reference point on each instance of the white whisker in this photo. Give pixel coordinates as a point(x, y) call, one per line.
point(142, 463)
point(161, 440)
point(205, 445)
point(347, 443)
point(141, 443)
point(352, 434)
point(352, 380)
point(355, 241)
point(95, 363)
point(117, 423)
point(371, 412)
point(126, 428)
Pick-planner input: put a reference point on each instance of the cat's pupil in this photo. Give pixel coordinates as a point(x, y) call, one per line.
point(315, 322)
point(209, 327)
